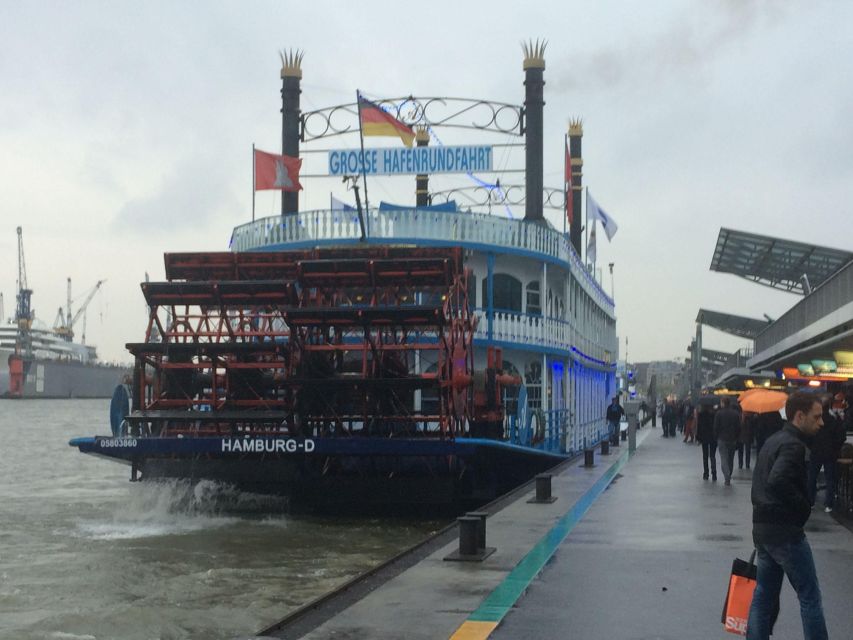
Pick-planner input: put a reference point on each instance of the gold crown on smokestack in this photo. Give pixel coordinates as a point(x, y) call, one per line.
point(421, 133)
point(534, 54)
point(575, 127)
point(291, 63)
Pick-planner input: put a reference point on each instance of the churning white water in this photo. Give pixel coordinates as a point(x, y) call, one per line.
point(87, 555)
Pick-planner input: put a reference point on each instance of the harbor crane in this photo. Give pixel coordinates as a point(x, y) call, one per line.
point(64, 324)
point(23, 312)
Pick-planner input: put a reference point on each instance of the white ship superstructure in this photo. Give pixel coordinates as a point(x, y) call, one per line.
point(46, 344)
point(533, 297)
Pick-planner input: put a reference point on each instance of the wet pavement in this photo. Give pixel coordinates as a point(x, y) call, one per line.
point(634, 548)
point(652, 556)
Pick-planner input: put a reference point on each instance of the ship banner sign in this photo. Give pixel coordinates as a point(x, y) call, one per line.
point(407, 161)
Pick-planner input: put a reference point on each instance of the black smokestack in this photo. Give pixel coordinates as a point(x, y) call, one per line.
point(422, 179)
point(534, 104)
point(575, 138)
point(291, 79)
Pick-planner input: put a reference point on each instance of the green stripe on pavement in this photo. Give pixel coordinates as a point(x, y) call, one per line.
point(498, 602)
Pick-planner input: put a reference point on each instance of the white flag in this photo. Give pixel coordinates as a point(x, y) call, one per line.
point(595, 212)
point(339, 205)
point(590, 245)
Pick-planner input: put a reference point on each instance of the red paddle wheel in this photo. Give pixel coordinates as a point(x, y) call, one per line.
point(319, 343)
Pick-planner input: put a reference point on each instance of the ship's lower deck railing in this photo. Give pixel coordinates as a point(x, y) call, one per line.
point(536, 330)
point(554, 431)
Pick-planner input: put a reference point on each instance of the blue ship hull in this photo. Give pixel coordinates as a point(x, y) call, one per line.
point(355, 474)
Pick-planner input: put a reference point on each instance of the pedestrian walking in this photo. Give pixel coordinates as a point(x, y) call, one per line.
point(744, 441)
point(614, 417)
point(766, 424)
point(780, 509)
point(825, 449)
point(668, 419)
point(690, 425)
point(726, 431)
point(705, 435)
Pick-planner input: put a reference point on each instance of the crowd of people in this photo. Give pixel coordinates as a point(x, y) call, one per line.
point(722, 429)
point(790, 454)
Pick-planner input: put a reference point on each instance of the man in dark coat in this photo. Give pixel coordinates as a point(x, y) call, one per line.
point(727, 431)
point(614, 417)
point(780, 509)
point(705, 435)
point(744, 442)
point(669, 419)
point(825, 449)
point(766, 424)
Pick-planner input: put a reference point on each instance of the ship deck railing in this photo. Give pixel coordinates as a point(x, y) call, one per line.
point(537, 330)
point(474, 230)
point(555, 431)
point(509, 327)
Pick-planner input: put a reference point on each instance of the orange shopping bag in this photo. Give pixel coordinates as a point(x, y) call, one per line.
point(739, 596)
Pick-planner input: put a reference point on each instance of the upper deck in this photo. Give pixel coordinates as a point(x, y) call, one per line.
point(477, 231)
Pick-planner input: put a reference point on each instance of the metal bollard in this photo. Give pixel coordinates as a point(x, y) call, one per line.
point(469, 534)
point(589, 457)
point(605, 447)
point(481, 530)
point(472, 529)
point(543, 490)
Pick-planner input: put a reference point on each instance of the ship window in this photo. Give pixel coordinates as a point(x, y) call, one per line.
point(506, 291)
point(534, 299)
point(472, 291)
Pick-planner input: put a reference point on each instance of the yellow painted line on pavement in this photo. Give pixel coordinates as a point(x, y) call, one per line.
point(474, 630)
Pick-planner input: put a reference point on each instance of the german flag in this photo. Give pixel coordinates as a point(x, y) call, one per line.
point(375, 121)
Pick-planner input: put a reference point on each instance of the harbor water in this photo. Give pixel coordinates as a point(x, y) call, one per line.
point(86, 554)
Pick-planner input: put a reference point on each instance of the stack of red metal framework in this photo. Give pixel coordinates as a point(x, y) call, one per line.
point(321, 342)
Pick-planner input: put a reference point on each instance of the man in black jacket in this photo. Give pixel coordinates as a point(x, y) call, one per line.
point(726, 431)
point(825, 450)
point(614, 417)
point(780, 510)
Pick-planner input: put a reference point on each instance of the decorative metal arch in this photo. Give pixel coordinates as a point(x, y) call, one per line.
point(460, 113)
point(500, 194)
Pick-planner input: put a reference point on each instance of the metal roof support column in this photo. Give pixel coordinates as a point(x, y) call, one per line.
point(696, 387)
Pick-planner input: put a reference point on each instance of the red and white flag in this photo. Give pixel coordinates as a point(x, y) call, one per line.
point(276, 172)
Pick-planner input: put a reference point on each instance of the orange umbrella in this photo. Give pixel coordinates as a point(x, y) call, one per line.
point(762, 400)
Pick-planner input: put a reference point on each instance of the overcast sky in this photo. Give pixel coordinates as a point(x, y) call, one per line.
point(126, 132)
